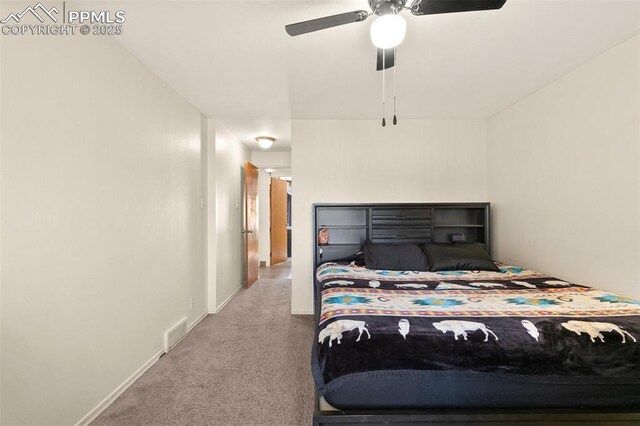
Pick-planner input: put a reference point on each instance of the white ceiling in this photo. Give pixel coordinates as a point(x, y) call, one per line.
point(234, 61)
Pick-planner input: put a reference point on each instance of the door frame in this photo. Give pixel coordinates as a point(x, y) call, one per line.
point(251, 237)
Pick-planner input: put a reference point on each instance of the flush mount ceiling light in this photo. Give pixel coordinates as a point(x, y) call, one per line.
point(388, 31)
point(265, 142)
point(269, 170)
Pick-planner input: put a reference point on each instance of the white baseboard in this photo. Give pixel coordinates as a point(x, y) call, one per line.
point(301, 312)
point(197, 321)
point(228, 299)
point(95, 412)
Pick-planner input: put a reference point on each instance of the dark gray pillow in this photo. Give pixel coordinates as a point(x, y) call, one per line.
point(458, 257)
point(395, 257)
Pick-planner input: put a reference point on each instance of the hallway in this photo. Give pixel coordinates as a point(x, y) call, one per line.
point(247, 365)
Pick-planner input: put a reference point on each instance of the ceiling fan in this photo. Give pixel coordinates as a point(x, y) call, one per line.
point(389, 28)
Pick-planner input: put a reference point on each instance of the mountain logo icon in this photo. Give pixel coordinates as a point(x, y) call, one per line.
point(39, 10)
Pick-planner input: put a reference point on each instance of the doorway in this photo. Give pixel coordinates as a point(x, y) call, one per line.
point(282, 191)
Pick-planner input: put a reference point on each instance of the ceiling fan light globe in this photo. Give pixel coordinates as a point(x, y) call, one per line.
point(388, 31)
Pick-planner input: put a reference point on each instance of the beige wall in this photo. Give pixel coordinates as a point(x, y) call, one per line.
point(209, 176)
point(351, 161)
point(230, 158)
point(102, 247)
point(564, 175)
point(199, 288)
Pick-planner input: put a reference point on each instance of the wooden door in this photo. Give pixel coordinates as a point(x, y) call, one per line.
point(278, 220)
point(251, 222)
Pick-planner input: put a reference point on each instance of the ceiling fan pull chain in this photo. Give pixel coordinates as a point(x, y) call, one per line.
point(384, 122)
point(395, 56)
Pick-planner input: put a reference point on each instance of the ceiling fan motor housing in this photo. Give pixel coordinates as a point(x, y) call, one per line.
point(385, 7)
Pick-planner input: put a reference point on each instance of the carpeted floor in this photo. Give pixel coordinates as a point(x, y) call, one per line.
point(247, 365)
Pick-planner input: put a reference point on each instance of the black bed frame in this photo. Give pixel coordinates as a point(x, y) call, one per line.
point(483, 417)
point(350, 225)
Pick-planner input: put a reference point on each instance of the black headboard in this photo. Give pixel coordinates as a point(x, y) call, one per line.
point(350, 225)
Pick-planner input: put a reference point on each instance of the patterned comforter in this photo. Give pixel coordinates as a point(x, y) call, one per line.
point(515, 321)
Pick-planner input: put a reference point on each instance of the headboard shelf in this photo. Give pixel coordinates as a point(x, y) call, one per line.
point(350, 225)
point(342, 226)
point(458, 226)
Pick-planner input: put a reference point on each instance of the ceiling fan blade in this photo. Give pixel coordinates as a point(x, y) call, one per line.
point(326, 22)
point(431, 7)
point(389, 58)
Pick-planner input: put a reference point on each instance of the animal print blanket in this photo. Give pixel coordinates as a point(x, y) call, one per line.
point(515, 321)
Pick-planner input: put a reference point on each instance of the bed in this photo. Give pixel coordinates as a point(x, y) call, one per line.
point(506, 345)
